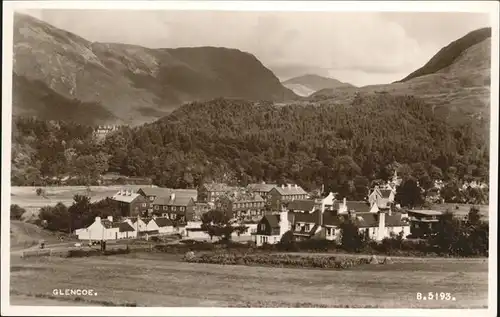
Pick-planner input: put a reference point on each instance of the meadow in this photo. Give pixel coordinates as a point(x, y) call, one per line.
point(153, 279)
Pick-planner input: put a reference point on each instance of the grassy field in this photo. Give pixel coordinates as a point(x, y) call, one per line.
point(151, 279)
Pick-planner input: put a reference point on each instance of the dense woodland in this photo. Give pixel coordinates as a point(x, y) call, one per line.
point(238, 142)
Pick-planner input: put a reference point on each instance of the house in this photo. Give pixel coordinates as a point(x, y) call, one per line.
point(423, 222)
point(383, 198)
point(151, 193)
point(271, 228)
point(200, 209)
point(139, 224)
point(245, 206)
point(261, 189)
point(284, 194)
point(310, 205)
point(106, 229)
point(212, 191)
point(345, 207)
point(177, 208)
point(160, 225)
point(130, 204)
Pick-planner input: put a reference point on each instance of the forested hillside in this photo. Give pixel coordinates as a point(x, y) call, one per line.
point(240, 142)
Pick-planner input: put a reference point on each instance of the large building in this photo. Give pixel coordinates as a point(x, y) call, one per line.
point(280, 195)
point(209, 193)
point(179, 208)
point(262, 189)
point(247, 206)
point(151, 193)
point(130, 204)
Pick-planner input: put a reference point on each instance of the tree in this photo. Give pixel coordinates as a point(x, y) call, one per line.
point(57, 218)
point(79, 212)
point(408, 194)
point(351, 239)
point(217, 224)
point(16, 212)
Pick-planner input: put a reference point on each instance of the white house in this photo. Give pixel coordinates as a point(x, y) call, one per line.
point(271, 228)
point(162, 225)
point(106, 229)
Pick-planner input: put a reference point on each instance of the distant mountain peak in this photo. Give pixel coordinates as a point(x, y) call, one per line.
point(307, 84)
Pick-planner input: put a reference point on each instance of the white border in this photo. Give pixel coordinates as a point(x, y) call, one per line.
point(491, 7)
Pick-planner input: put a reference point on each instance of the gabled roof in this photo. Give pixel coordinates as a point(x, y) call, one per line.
point(331, 219)
point(290, 190)
point(357, 206)
point(261, 187)
point(124, 227)
point(163, 222)
point(126, 197)
point(106, 223)
point(273, 220)
point(306, 217)
point(304, 205)
point(249, 198)
point(182, 201)
point(164, 192)
point(370, 220)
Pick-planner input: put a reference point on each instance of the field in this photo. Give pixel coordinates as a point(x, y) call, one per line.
point(27, 198)
point(151, 279)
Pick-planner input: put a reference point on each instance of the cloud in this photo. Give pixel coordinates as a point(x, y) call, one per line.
point(361, 48)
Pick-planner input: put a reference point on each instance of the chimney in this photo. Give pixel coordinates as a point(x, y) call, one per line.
point(320, 215)
point(154, 217)
point(295, 186)
point(289, 186)
point(381, 226)
point(283, 186)
point(322, 188)
point(345, 202)
point(110, 218)
point(172, 196)
point(283, 222)
point(97, 219)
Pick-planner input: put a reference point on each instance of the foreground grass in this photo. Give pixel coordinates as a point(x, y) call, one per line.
point(149, 279)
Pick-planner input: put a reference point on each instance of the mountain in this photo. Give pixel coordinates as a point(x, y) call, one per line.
point(450, 53)
point(122, 83)
point(306, 85)
point(455, 82)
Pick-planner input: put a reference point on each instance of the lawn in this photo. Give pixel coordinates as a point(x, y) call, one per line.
point(152, 279)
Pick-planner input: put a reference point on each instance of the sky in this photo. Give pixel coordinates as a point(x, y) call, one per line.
point(360, 48)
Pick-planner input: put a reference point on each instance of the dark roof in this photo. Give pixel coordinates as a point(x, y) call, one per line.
point(166, 192)
point(365, 220)
point(163, 222)
point(106, 223)
point(358, 206)
point(177, 201)
point(261, 187)
point(385, 193)
point(304, 205)
point(124, 227)
point(306, 217)
point(331, 219)
point(273, 220)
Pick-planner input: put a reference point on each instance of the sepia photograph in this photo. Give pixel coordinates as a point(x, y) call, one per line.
point(204, 157)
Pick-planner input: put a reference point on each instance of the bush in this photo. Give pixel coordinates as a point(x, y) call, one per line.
point(278, 260)
point(16, 212)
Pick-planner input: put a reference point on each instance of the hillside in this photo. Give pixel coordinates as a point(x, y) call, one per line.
point(457, 85)
point(55, 71)
point(308, 84)
point(448, 54)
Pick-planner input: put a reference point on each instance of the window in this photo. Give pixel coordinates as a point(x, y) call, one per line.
point(297, 227)
point(262, 226)
point(164, 207)
point(151, 198)
point(164, 215)
point(328, 231)
point(144, 205)
point(157, 207)
point(307, 227)
point(183, 208)
point(174, 208)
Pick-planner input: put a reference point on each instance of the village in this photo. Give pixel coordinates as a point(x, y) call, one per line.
point(267, 211)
